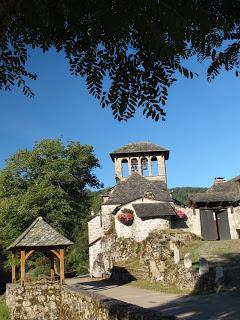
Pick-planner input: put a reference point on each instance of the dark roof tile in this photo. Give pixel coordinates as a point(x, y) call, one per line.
point(153, 210)
point(40, 234)
point(140, 147)
point(136, 187)
point(220, 191)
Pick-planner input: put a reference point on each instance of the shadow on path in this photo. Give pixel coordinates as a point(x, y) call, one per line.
point(225, 306)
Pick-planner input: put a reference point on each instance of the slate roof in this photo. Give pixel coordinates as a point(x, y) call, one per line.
point(153, 210)
point(134, 187)
point(40, 234)
point(140, 147)
point(220, 191)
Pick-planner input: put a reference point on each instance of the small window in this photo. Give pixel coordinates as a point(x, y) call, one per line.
point(154, 164)
point(144, 165)
point(125, 168)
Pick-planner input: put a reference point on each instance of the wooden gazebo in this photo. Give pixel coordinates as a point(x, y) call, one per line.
point(40, 236)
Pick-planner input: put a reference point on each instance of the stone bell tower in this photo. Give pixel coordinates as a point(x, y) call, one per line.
point(145, 158)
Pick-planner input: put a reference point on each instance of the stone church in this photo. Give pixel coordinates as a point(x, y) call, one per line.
point(140, 203)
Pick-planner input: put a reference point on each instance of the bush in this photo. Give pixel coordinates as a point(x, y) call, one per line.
point(4, 312)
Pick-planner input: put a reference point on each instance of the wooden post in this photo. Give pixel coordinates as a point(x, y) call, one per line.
point(23, 259)
point(62, 266)
point(52, 268)
point(13, 268)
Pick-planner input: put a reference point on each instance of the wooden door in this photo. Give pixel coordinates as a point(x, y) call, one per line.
point(207, 225)
point(223, 225)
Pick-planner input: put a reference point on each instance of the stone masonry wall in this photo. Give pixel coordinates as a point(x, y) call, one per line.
point(107, 218)
point(94, 229)
point(193, 219)
point(38, 301)
point(140, 228)
point(79, 304)
point(51, 302)
point(234, 221)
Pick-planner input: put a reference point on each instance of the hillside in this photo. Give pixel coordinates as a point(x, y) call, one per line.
point(181, 193)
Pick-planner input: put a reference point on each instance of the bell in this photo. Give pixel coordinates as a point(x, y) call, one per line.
point(144, 164)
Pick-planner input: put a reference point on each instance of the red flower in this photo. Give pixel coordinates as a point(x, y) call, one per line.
point(181, 214)
point(126, 217)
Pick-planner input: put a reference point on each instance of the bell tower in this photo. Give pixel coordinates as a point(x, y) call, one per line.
point(147, 159)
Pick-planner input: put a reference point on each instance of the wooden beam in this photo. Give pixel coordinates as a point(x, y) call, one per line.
point(23, 260)
point(62, 266)
point(56, 253)
point(52, 267)
point(13, 268)
point(28, 254)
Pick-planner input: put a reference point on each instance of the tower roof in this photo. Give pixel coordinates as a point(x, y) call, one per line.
point(40, 234)
point(140, 148)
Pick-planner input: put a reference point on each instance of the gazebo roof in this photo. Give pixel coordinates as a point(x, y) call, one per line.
point(40, 234)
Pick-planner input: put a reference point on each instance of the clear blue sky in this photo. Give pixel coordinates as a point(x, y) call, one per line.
point(201, 129)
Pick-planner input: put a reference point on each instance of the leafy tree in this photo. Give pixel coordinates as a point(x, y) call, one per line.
point(51, 181)
point(181, 194)
point(139, 45)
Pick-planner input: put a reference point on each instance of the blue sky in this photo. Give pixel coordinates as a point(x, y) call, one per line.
point(201, 129)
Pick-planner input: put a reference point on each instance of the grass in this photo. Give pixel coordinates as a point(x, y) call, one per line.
point(157, 286)
point(224, 251)
point(4, 313)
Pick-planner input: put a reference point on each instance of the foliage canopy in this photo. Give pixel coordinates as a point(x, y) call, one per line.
point(139, 45)
point(51, 181)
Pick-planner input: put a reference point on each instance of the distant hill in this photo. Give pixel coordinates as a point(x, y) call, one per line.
point(181, 193)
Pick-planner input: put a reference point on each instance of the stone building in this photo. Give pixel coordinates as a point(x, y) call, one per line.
point(138, 204)
point(219, 209)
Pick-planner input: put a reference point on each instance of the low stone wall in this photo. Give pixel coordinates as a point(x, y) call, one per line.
point(49, 301)
point(78, 303)
point(37, 301)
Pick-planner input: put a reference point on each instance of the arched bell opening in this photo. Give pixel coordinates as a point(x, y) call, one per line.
point(154, 165)
point(144, 167)
point(134, 165)
point(124, 168)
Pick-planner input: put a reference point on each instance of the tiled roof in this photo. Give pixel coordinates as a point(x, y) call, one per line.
point(153, 210)
point(135, 187)
point(40, 234)
point(220, 191)
point(140, 147)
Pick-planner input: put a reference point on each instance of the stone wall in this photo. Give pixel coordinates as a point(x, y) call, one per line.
point(99, 257)
point(78, 303)
point(193, 221)
point(94, 229)
point(107, 218)
point(51, 302)
point(140, 228)
point(38, 301)
point(234, 221)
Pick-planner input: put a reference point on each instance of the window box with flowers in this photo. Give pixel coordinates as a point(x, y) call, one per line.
point(126, 216)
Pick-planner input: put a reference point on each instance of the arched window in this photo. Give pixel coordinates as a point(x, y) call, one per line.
point(144, 165)
point(134, 165)
point(125, 172)
point(154, 164)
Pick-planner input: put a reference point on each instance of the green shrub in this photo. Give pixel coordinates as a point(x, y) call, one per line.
point(4, 312)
